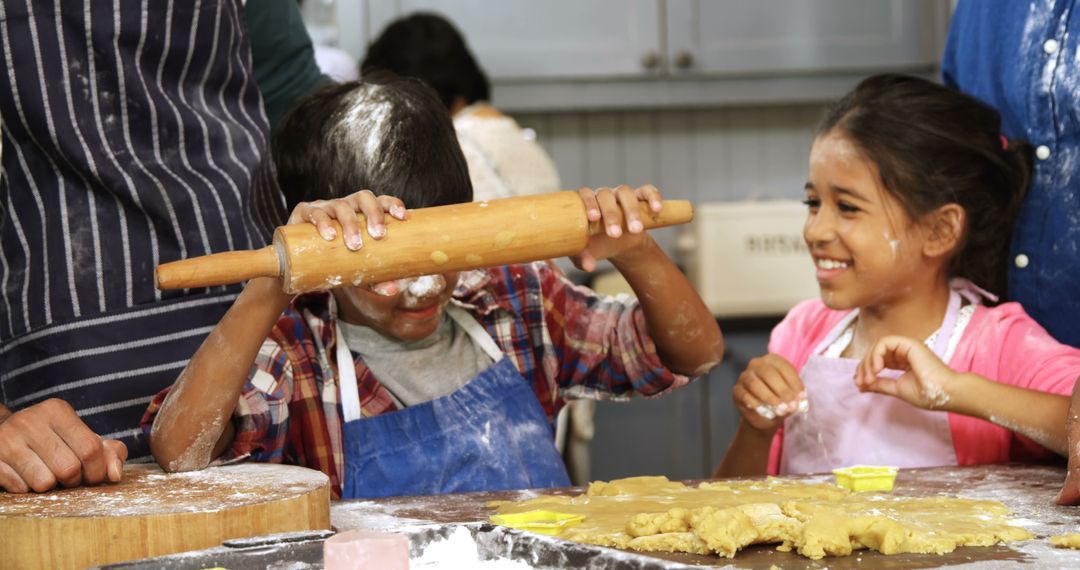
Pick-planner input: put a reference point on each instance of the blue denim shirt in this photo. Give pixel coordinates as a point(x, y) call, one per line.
point(1022, 57)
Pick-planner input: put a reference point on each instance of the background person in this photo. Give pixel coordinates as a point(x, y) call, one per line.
point(504, 159)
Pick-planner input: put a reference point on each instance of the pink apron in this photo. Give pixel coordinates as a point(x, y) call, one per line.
point(846, 427)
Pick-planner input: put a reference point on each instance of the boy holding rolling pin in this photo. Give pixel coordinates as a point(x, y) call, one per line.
point(440, 383)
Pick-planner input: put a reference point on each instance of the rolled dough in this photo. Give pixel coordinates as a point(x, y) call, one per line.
point(1066, 541)
point(653, 514)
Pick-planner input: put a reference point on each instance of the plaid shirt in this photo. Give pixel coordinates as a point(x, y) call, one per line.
point(566, 340)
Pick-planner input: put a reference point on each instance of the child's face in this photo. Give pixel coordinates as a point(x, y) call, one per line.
point(405, 309)
point(866, 249)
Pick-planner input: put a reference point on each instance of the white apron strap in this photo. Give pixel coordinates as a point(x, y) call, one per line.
point(350, 394)
point(835, 332)
point(944, 334)
point(475, 331)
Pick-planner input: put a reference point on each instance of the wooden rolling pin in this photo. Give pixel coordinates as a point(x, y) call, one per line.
point(431, 240)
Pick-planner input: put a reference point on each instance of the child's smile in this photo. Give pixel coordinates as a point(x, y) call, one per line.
point(828, 268)
point(865, 248)
point(419, 314)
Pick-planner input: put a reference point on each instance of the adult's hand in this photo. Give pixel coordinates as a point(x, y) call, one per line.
point(1070, 491)
point(46, 445)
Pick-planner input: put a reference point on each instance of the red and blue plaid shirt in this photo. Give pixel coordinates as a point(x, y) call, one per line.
point(566, 340)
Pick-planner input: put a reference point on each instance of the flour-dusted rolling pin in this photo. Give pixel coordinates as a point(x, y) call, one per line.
point(432, 240)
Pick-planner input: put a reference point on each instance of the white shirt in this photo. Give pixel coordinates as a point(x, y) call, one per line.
point(504, 160)
point(336, 63)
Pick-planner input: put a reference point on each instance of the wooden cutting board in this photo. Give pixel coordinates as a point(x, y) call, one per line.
point(151, 513)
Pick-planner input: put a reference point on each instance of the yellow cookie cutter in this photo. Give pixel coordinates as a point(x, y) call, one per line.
point(866, 477)
point(539, 521)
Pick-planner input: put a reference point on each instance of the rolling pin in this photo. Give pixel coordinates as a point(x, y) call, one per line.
point(432, 240)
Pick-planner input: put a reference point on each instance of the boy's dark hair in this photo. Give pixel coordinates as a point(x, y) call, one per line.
point(384, 133)
point(429, 47)
point(933, 146)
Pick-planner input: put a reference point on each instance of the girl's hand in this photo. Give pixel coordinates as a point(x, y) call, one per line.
point(926, 379)
point(768, 391)
point(344, 210)
point(610, 206)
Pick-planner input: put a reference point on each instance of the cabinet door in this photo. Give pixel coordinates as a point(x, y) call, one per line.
point(769, 36)
point(525, 39)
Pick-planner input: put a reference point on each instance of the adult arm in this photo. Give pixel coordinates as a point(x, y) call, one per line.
point(1070, 491)
point(282, 56)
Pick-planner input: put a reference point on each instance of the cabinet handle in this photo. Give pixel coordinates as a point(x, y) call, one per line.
point(684, 60)
point(650, 60)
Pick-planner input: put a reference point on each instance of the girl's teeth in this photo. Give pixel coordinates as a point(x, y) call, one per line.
point(832, 264)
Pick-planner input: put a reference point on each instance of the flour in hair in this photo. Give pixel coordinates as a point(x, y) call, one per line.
point(368, 118)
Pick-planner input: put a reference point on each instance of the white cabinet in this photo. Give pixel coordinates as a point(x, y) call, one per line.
point(526, 39)
point(801, 36)
point(593, 54)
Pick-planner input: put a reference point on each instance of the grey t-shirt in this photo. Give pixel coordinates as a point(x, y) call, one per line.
point(419, 371)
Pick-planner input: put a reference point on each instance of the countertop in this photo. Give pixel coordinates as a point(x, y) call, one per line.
point(1029, 491)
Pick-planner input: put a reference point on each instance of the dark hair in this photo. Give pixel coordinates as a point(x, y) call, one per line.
point(384, 133)
point(429, 47)
point(933, 146)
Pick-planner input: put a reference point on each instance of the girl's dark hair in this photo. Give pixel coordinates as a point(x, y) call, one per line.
point(429, 47)
point(384, 133)
point(933, 146)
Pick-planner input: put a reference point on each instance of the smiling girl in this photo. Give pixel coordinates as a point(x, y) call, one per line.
point(911, 195)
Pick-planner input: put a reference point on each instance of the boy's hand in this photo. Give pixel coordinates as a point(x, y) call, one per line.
point(926, 379)
point(344, 210)
point(610, 206)
point(47, 445)
point(768, 391)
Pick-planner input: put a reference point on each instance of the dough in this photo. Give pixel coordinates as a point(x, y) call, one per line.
point(653, 514)
point(1066, 541)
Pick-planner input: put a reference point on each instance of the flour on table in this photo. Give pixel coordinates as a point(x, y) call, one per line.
point(459, 551)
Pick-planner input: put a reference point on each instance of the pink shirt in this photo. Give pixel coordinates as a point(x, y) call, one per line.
point(1000, 343)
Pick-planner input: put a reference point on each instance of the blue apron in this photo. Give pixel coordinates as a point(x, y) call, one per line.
point(489, 435)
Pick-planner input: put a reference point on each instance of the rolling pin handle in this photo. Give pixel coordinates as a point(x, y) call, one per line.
point(219, 269)
point(673, 213)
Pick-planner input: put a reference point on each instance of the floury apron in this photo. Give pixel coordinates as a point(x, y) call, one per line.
point(490, 434)
point(845, 427)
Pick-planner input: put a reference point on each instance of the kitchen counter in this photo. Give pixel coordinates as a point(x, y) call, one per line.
point(1029, 491)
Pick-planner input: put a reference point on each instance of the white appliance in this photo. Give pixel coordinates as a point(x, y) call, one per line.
point(748, 259)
